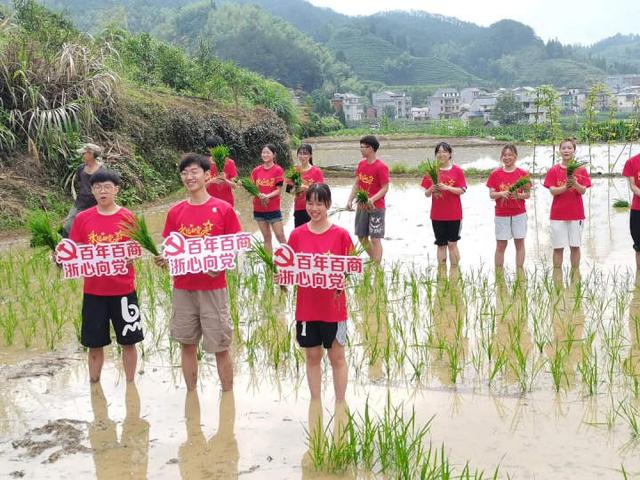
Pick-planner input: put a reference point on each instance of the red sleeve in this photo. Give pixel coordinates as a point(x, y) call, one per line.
point(168, 225)
point(230, 169)
point(491, 181)
point(426, 182)
point(77, 230)
point(253, 174)
point(293, 240)
point(383, 174)
point(583, 177)
point(319, 176)
point(279, 174)
point(462, 182)
point(348, 246)
point(231, 222)
point(550, 178)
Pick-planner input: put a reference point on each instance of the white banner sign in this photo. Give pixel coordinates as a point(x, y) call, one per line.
point(203, 254)
point(89, 260)
point(314, 270)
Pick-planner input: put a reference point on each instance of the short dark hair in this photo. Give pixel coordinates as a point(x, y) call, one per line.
point(213, 141)
point(371, 141)
point(321, 192)
point(273, 149)
point(189, 159)
point(509, 146)
point(104, 175)
point(444, 146)
point(305, 147)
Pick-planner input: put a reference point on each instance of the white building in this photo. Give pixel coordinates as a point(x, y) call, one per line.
point(350, 104)
point(400, 103)
point(480, 108)
point(420, 113)
point(445, 103)
point(468, 95)
point(628, 99)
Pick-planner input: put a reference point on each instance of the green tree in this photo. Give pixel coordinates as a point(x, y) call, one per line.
point(508, 110)
point(547, 99)
point(591, 112)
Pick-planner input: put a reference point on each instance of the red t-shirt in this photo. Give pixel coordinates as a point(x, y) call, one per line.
point(501, 181)
point(372, 177)
point(320, 304)
point(267, 181)
point(632, 169)
point(446, 205)
point(91, 226)
point(311, 176)
point(212, 218)
point(567, 205)
point(222, 190)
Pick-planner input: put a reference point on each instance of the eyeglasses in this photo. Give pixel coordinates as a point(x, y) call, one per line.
point(190, 173)
point(103, 188)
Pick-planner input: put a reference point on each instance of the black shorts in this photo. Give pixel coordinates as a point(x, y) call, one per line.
point(123, 312)
point(300, 217)
point(446, 231)
point(313, 334)
point(634, 227)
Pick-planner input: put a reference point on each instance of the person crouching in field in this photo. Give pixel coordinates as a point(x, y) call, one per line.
point(446, 207)
point(510, 211)
point(321, 314)
point(107, 298)
point(567, 208)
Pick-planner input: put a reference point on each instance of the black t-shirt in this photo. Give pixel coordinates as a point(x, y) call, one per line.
point(84, 197)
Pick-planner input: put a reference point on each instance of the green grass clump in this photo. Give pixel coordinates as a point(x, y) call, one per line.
point(620, 203)
point(42, 233)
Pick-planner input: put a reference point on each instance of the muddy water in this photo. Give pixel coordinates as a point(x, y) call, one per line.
point(54, 425)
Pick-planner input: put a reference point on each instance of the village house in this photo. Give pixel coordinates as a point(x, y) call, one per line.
point(350, 104)
point(388, 101)
point(445, 104)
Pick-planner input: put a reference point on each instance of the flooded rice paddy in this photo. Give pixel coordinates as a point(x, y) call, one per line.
point(536, 375)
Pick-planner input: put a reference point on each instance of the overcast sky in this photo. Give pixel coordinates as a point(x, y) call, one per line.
point(571, 21)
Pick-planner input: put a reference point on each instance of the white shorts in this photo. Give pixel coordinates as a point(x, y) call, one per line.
point(511, 227)
point(566, 233)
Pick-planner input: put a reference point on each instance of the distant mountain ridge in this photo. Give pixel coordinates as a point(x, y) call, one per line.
point(392, 48)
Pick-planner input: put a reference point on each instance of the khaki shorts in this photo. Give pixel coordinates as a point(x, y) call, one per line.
point(202, 314)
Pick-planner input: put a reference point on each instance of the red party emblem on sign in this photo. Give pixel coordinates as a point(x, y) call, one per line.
point(66, 251)
point(174, 244)
point(283, 256)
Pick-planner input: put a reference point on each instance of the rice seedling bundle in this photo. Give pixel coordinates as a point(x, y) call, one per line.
point(523, 183)
point(250, 187)
point(432, 168)
point(42, 233)
point(219, 155)
point(573, 166)
point(362, 197)
point(137, 230)
point(293, 175)
point(258, 249)
point(620, 203)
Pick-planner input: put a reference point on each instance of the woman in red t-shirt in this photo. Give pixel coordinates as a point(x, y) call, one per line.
point(310, 174)
point(221, 184)
point(511, 213)
point(446, 207)
point(269, 178)
point(567, 209)
point(321, 314)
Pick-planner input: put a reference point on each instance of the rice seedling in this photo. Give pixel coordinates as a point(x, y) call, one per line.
point(295, 177)
point(432, 169)
point(631, 415)
point(258, 249)
point(362, 197)
point(523, 183)
point(137, 230)
point(574, 165)
point(42, 233)
point(620, 203)
point(250, 187)
point(219, 155)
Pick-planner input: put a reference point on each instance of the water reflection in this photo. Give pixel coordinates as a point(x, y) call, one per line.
point(449, 325)
point(128, 457)
point(567, 328)
point(218, 457)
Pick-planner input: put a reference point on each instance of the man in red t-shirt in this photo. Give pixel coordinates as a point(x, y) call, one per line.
point(631, 170)
point(372, 176)
point(107, 297)
point(200, 300)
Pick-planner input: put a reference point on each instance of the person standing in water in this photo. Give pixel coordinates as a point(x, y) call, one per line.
point(310, 174)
